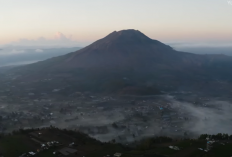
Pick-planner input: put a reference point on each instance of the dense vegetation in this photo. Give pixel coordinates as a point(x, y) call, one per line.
point(20, 141)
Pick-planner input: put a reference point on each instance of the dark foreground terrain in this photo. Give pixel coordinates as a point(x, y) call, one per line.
point(52, 141)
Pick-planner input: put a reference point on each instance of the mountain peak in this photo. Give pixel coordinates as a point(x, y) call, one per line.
point(127, 39)
point(128, 32)
point(127, 36)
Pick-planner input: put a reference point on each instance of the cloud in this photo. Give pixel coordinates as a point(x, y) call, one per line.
point(60, 36)
point(197, 45)
point(59, 40)
point(14, 51)
point(229, 2)
point(39, 50)
point(19, 55)
point(203, 48)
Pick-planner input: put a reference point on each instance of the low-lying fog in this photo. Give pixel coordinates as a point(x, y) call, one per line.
point(124, 121)
point(18, 56)
point(212, 117)
point(193, 119)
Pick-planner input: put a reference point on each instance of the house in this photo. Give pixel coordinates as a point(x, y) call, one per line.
point(117, 154)
point(35, 134)
point(31, 94)
point(56, 90)
point(67, 151)
point(71, 144)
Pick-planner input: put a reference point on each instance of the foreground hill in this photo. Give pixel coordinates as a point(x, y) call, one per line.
point(47, 142)
point(127, 61)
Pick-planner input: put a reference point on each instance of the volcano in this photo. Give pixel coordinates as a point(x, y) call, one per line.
point(129, 60)
point(126, 49)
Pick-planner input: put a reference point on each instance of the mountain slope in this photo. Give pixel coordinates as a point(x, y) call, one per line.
point(123, 49)
point(141, 61)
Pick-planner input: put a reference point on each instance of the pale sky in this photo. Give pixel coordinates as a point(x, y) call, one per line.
point(84, 21)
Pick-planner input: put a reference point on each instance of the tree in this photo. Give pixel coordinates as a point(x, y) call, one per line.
point(114, 125)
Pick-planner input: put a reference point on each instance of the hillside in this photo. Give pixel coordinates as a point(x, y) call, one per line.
point(52, 141)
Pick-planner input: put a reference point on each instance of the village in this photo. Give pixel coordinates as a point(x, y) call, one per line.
point(123, 118)
point(117, 119)
point(104, 117)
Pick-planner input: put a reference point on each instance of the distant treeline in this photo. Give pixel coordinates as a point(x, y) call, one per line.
point(218, 136)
